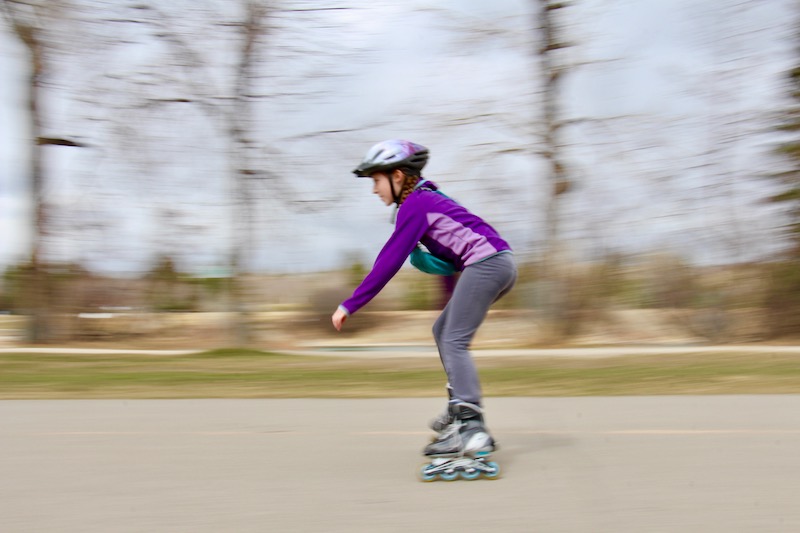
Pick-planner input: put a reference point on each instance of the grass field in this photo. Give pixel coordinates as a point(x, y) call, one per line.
point(253, 374)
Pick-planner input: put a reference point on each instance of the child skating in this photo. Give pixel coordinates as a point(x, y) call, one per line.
point(455, 240)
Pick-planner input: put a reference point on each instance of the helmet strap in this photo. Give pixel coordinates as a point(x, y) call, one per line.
point(396, 195)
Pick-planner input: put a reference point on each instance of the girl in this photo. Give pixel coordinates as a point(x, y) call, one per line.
point(456, 241)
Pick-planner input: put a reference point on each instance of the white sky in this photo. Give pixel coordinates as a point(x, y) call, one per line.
point(665, 177)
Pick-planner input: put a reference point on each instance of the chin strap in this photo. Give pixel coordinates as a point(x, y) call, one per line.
point(396, 195)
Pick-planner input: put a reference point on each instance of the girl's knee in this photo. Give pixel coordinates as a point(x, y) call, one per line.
point(458, 343)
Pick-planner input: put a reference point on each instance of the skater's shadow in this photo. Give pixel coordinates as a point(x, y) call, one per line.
point(513, 447)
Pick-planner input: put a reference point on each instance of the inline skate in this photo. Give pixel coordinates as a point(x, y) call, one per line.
point(462, 449)
point(441, 422)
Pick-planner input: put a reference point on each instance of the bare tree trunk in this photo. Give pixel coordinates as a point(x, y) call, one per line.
point(39, 329)
point(36, 291)
point(243, 174)
point(236, 116)
point(553, 292)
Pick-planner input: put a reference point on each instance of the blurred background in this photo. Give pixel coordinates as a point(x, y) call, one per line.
point(178, 173)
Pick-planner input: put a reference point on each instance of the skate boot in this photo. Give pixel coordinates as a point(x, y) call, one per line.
point(441, 422)
point(462, 449)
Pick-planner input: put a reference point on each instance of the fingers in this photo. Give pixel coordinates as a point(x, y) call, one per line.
point(338, 319)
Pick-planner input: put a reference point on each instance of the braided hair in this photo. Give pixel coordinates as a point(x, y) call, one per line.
point(408, 187)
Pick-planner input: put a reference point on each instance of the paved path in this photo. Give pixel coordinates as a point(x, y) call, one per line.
point(627, 464)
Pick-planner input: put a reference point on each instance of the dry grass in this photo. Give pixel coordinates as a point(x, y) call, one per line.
point(254, 374)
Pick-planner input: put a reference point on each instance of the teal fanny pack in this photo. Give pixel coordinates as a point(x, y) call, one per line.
point(425, 261)
point(431, 264)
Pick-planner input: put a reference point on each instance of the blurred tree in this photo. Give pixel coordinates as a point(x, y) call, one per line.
point(235, 91)
point(713, 182)
point(532, 122)
point(31, 22)
point(552, 67)
point(789, 178)
point(783, 300)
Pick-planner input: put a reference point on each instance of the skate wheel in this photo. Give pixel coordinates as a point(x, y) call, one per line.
point(495, 473)
point(475, 474)
point(449, 476)
point(424, 475)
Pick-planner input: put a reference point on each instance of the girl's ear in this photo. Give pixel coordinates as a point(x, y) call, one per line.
point(398, 176)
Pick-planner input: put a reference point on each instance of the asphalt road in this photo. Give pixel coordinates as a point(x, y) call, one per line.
point(652, 464)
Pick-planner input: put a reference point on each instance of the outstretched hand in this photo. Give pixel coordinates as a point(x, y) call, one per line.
point(338, 319)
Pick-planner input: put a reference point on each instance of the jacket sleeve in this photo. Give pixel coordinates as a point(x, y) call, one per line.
point(411, 226)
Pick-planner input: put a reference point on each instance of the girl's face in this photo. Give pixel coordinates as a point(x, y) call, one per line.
point(383, 189)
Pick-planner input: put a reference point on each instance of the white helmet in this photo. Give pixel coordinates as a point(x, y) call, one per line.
point(389, 155)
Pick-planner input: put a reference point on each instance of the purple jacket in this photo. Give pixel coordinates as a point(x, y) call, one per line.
point(448, 230)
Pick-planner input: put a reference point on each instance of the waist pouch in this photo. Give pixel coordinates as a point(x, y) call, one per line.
point(430, 264)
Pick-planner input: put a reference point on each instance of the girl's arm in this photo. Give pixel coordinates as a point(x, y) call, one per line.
point(411, 226)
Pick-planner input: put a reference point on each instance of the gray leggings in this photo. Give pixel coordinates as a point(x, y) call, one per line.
point(479, 286)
